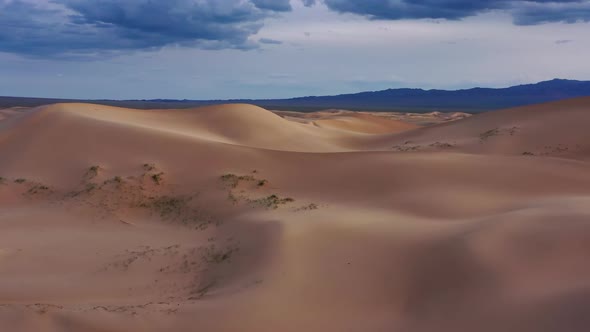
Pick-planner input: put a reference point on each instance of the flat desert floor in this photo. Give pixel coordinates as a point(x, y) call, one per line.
point(235, 218)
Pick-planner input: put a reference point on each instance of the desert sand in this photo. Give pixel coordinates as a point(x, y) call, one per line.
point(235, 218)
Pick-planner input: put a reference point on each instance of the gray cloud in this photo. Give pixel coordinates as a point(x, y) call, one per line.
point(533, 13)
point(524, 12)
point(415, 9)
point(84, 27)
point(276, 5)
point(563, 41)
point(270, 41)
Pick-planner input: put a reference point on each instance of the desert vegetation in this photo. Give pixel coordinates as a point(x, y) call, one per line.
point(92, 172)
point(252, 195)
point(486, 135)
point(158, 178)
point(271, 202)
point(38, 188)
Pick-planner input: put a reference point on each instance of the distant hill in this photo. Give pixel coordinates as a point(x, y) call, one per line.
point(414, 100)
point(470, 99)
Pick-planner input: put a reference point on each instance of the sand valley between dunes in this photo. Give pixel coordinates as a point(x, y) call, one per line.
point(235, 218)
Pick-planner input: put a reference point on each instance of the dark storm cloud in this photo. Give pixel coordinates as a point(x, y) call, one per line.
point(524, 12)
point(414, 9)
point(82, 27)
point(60, 28)
point(276, 5)
point(538, 13)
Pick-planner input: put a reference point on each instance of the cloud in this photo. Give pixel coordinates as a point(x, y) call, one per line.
point(524, 12)
point(415, 9)
point(87, 28)
point(276, 5)
point(532, 13)
point(563, 41)
point(60, 28)
point(269, 41)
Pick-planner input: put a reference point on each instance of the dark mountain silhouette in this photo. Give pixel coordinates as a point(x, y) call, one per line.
point(416, 100)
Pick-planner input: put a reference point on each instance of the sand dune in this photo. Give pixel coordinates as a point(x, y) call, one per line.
point(350, 121)
point(399, 120)
point(554, 129)
point(233, 218)
point(233, 124)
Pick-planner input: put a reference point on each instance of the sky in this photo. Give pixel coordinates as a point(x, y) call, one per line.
point(232, 49)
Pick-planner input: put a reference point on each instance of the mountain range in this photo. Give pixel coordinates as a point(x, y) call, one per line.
point(412, 100)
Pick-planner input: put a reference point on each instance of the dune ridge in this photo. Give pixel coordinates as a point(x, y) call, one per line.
point(235, 124)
